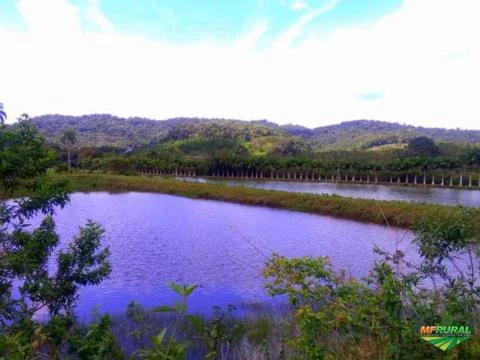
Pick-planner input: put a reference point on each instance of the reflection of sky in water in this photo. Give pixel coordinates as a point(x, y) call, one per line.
point(380, 192)
point(157, 238)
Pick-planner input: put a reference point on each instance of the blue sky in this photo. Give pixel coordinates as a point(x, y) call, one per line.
point(310, 62)
point(183, 21)
point(225, 20)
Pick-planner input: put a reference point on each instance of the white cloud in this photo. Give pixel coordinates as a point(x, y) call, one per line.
point(95, 15)
point(298, 5)
point(251, 38)
point(49, 17)
point(424, 59)
point(296, 29)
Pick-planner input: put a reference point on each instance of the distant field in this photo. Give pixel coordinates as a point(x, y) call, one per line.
point(388, 147)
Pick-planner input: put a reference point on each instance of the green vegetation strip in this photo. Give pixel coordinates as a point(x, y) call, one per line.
point(393, 213)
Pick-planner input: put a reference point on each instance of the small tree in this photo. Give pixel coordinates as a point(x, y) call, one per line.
point(27, 284)
point(69, 138)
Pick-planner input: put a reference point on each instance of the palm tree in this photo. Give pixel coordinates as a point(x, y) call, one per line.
point(69, 139)
point(3, 114)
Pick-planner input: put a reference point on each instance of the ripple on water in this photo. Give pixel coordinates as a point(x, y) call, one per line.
point(156, 238)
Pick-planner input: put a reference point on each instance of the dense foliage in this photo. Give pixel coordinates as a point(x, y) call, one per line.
point(107, 130)
point(29, 287)
point(380, 317)
point(218, 147)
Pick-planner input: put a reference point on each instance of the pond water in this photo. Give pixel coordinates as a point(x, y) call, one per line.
point(157, 238)
point(446, 196)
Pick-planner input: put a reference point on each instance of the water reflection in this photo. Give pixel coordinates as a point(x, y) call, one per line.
point(444, 196)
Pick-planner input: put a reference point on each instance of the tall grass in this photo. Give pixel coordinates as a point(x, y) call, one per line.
point(256, 331)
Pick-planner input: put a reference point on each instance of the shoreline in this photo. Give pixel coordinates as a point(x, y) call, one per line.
point(382, 183)
point(383, 212)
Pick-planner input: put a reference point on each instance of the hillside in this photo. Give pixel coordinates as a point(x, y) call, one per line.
point(192, 137)
point(106, 130)
point(365, 134)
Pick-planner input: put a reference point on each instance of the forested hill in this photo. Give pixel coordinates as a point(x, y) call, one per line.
point(107, 130)
point(367, 134)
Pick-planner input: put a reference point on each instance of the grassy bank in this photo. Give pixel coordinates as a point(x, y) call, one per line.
point(362, 183)
point(393, 213)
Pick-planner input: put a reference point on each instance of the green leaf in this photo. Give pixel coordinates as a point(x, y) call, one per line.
point(211, 355)
point(164, 308)
point(179, 289)
point(183, 346)
point(190, 288)
point(196, 322)
point(161, 336)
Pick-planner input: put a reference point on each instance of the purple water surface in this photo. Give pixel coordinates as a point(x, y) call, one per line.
point(157, 238)
point(445, 196)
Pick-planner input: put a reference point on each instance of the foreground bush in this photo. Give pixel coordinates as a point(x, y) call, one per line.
point(28, 288)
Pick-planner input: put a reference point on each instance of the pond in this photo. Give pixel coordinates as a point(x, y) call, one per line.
point(157, 238)
point(445, 196)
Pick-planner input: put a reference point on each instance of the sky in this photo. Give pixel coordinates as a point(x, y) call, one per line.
point(307, 62)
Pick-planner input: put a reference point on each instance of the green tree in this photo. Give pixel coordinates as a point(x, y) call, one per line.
point(24, 158)
point(423, 146)
point(69, 139)
point(27, 285)
point(473, 157)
